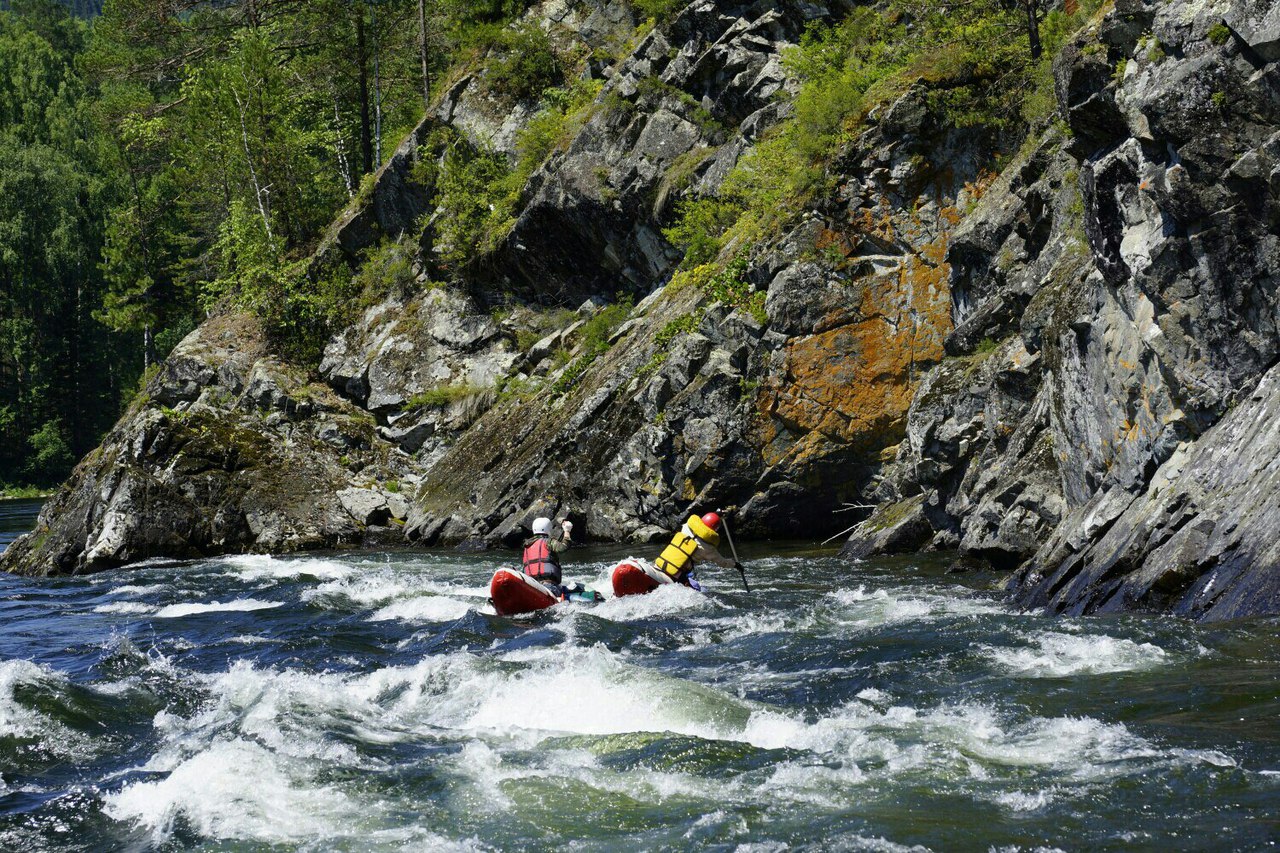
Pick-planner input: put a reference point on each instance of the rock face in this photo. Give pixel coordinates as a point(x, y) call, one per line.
point(1067, 370)
point(1115, 299)
point(228, 450)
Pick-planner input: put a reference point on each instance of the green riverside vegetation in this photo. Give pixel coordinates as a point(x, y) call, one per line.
point(161, 161)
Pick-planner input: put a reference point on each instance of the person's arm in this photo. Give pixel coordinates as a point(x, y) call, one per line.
point(711, 555)
point(564, 540)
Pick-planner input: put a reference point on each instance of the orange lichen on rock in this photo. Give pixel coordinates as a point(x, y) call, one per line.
point(853, 384)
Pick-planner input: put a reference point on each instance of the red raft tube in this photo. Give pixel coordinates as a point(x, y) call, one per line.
point(634, 576)
point(512, 593)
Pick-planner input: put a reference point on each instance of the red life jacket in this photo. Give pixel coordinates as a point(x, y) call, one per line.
point(540, 561)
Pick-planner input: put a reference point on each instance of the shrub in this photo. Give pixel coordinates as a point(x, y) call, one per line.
point(700, 225)
point(658, 10)
point(438, 398)
point(387, 268)
point(1219, 33)
point(51, 457)
point(526, 65)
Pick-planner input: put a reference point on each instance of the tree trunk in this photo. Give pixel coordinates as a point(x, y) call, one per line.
point(377, 87)
point(1033, 27)
point(366, 123)
point(422, 44)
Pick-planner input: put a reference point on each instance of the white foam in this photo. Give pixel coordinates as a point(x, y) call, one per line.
point(663, 601)
point(1020, 801)
point(19, 721)
point(252, 640)
point(1056, 654)
point(428, 608)
point(240, 605)
point(861, 609)
point(263, 567)
point(363, 590)
point(280, 804)
point(138, 589)
point(124, 607)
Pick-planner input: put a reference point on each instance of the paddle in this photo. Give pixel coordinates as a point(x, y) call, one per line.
point(724, 519)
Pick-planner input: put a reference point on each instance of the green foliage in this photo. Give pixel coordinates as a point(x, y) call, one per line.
point(438, 398)
point(472, 183)
point(1219, 33)
point(986, 345)
point(665, 336)
point(654, 88)
point(700, 225)
point(1151, 48)
point(593, 341)
point(387, 269)
point(729, 286)
point(479, 194)
point(50, 452)
point(972, 57)
point(658, 10)
point(526, 63)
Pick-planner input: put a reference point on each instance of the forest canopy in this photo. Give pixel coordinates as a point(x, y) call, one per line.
point(160, 155)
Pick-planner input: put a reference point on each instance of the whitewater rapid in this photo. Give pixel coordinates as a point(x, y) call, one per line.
point(376, 702)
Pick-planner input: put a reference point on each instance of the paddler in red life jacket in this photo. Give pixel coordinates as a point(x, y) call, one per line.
point(696, 542)
point(541, 553)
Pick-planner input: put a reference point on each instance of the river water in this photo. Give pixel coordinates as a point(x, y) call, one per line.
point(375, 702)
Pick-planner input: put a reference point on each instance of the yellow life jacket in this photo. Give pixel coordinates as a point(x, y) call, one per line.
point(676, 559)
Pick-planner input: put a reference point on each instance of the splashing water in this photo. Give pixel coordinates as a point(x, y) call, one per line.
point(372, 702)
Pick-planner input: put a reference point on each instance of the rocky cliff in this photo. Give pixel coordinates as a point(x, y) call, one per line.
point(1122, 275)
point(1058, 368)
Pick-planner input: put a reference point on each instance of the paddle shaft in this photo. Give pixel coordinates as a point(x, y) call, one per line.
point(734, 551)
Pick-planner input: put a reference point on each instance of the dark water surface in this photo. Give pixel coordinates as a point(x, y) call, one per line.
point(375, 702)
point(16, 518)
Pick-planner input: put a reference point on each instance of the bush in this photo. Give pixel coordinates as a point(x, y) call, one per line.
point(658, 10)
point(387, 268)
point(1219, 34)
point(700, 225)
point(438, 398)
point(51, 458)
point(526, 65)
point(479, 194)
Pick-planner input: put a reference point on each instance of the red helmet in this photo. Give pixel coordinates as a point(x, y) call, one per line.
point(711, 520)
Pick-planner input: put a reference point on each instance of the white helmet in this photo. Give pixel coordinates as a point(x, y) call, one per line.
point(542, 526)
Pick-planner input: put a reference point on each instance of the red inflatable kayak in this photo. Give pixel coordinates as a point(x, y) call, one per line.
point(634, 576)
point(513, 592)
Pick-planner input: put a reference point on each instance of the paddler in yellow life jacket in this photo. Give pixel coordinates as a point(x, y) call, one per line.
point(695, 543)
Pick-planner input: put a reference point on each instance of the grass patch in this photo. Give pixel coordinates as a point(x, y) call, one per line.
point(663, 339)
point(438, 398)
point(593, 341)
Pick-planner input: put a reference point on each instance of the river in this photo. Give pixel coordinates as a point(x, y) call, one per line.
point(374, 702)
